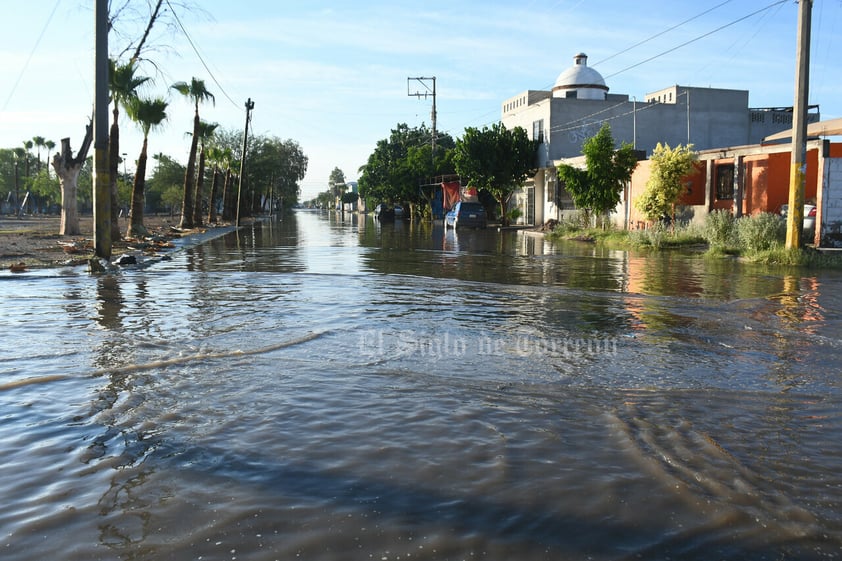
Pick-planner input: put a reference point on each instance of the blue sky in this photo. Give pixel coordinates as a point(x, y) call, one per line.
point(333, 75)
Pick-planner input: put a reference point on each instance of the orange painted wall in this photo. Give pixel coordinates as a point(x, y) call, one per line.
point(777, 182)
point(756, 179)
point(765, 183)
point(696, 187)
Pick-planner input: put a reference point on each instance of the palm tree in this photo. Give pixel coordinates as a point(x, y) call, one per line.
point(206, 131)
point(38, 141)
point(27, 144)
point(50, 145)
point(197, 92)
point(20, 154)
point(123, 86)
point(147, 113)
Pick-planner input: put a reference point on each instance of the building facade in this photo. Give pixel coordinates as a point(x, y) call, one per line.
point(579, 102)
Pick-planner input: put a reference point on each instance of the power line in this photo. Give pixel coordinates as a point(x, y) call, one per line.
point(700, 37)
point(31, 53)
point(665, 31)
point(198, 54)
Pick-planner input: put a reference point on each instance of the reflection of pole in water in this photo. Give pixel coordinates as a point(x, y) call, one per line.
point(109, 302)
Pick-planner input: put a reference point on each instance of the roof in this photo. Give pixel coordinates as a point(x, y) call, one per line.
point(831, 127)
point(580, 76)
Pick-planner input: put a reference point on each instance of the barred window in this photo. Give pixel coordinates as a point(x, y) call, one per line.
point(725, 182)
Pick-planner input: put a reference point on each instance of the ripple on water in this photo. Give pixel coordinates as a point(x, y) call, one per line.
point(318, 399)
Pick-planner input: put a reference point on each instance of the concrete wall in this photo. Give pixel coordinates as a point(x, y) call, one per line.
point(829, 226)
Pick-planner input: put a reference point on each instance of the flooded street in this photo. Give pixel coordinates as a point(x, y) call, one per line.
point(320, 389)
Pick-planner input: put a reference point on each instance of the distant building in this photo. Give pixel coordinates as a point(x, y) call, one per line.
point(563, 118)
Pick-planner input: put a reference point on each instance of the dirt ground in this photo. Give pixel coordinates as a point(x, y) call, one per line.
point(32, 242)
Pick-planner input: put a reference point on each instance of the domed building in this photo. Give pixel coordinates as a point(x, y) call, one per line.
point(580, 82)
point(579, 102)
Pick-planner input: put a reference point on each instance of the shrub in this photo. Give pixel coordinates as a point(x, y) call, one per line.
point(760, 232)
point(653, 236)
point(719, 229)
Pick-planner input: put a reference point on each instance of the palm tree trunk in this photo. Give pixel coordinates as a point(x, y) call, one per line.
point(189, 176)
point(200, 183)
point(227, 211)
point(213, 194)
point(136, 227)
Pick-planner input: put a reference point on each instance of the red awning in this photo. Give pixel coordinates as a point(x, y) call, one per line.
point(450, 193)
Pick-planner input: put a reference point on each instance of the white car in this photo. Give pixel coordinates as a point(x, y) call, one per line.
point(809, 229)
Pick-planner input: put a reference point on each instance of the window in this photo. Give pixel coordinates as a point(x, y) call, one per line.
point(538, 130)
point(725, 182)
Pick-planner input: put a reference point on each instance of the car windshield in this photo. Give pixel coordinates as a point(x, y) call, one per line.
point(471, 207)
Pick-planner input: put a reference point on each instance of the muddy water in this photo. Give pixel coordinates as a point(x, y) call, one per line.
point(320, 388)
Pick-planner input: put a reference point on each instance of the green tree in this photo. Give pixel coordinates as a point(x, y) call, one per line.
point(399, 164)
point(123, 86)
point(49, 145)
point(39, 142)
point(27, 146)
point(147, 113)
point(167, 178)
point(598, 188)
point(197, 93)
point(284, 163)
point(45, 188)
point(496, 159)
point(666, 184)
point(336, 184)
point(219, 158)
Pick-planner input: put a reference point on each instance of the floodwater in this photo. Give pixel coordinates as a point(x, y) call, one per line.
point(319, 389)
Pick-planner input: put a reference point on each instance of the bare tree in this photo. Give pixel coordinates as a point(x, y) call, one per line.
point(67, 169)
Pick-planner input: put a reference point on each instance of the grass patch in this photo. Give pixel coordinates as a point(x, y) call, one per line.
point(756, 239)
point(802, 257)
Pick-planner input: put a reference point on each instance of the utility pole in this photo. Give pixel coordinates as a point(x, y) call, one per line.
point(798, 167)
point(249, 107)
point(102, 188)
point(429, 89)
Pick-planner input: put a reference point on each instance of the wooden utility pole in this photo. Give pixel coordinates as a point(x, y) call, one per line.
point(249, 107)
point(798, 167)
point(102, 184)
point(428, 90)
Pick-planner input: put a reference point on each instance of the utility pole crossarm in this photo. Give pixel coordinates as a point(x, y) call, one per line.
point(426, 86)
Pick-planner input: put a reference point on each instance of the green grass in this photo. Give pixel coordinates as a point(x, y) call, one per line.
point(697, 237)
point(804, 257)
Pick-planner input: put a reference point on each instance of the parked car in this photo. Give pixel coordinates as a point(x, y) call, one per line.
point(809, 229)
point(384, 212)
point(466, 215)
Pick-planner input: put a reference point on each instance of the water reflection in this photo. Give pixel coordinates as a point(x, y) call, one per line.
point(325, 386)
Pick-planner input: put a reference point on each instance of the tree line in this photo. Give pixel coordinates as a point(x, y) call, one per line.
point(206, 189)
point(497, 161)
point(403, 168)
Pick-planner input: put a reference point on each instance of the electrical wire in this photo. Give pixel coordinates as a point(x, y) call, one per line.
point(700, 37)
point(198, 54)
point(31, 54)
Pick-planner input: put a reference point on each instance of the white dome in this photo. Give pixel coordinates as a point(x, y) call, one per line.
point(580, 81)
